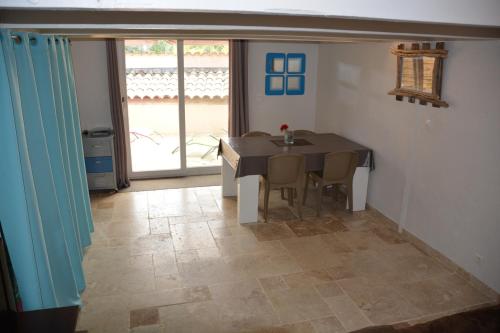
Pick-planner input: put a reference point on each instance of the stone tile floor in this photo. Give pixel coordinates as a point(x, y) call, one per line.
point(177, 261)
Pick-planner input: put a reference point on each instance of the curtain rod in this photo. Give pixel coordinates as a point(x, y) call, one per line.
point(18, 39)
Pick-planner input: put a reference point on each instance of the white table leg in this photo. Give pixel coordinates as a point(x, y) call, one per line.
point(248, 199)
point(229, 184)
point(360, 188)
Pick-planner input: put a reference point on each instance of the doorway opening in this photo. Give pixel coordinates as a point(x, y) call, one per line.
point(177, 105)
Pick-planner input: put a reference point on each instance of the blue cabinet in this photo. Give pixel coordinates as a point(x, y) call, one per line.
point(100, 162)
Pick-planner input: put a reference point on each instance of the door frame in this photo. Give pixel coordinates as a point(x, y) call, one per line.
point(183, 171)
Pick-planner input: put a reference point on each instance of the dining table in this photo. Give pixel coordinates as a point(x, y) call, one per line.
point(244, 159)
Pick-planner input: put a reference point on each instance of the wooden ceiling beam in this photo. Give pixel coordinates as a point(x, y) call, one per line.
point(155, 23)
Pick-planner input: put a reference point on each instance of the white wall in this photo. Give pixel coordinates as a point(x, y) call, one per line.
point(480, 12)
point(453, 187)
point(91, 78)
point(267, 113)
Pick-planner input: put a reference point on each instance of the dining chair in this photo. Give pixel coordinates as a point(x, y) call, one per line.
point(297, 133)
point(301, 132)
point(338, 168)
point(255, 133)
point(284, 171)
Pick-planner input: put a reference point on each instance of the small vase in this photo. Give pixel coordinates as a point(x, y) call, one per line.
point(288, 137)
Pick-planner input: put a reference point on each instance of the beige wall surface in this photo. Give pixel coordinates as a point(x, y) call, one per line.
point(436, 169)
point(162, 116)
point(91, 80)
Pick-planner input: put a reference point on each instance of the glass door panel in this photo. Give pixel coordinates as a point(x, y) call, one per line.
point(206, 90)
point(153, 105)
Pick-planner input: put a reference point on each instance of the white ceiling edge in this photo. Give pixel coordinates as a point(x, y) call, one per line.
point(478, 12)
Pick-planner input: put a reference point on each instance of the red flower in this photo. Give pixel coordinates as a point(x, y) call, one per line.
point(283, 127)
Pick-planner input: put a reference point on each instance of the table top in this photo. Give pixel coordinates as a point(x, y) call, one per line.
point(248, 156)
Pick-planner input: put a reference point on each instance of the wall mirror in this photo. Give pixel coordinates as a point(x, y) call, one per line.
point(420, 73)
point(417, 74)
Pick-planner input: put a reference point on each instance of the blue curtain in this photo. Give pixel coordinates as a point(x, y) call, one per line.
point(44, 203)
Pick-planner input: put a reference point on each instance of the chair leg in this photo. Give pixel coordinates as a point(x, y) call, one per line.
point(306, 185)
point(349, 196)
point(266, 200)
point(299, 203)
point(290, 196)
point(319, 198)
point(282, 193)
point(334, 194)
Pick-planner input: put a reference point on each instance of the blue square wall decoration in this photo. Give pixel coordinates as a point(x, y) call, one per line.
point(285, 73)
point(275, 85)
point(296, 63)
point(295, 84)
point(275, 63)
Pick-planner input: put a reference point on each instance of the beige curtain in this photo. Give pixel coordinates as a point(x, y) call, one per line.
point(238, 87)
point(122, 179)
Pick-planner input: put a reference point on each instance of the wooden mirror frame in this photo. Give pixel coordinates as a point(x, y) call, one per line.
point(439, 54)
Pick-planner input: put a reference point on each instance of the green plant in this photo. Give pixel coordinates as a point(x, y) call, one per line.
point(132, 49)
point(218, 48)
point(163, 47)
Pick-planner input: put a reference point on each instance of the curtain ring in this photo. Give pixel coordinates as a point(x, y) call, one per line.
point(17, 39)
point(33, 41)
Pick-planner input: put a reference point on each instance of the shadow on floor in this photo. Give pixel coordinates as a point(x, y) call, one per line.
point(169, 183)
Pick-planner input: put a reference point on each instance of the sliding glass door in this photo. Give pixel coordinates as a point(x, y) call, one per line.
point(153, 105)
point(177, 96)
point(206, 83)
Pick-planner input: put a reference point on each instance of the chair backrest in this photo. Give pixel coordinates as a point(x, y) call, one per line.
point(302, 132)
point(340, 166)
point(255, 133)
point(285, 168)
